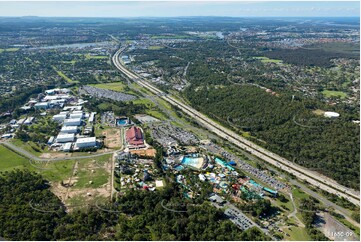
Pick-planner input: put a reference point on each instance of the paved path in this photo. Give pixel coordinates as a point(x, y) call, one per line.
point(31, 156)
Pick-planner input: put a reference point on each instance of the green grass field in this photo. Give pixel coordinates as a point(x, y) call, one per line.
point(88, 56)
point(9, 50)
point(171, 37)
point(30, 146)
point(72, 62)
point(297, 234)
point(115, 86)
point(55, 171)
point(329, 93)
point(268, 60)
point(155, 47)
point(298, 195)
point(61, 74)
point(58, 170)
point(10, 160)
point(98, 178)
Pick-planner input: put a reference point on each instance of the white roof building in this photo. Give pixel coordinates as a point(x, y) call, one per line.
point(66, 108)
point(69, 129)
point(331, 115)
point(29, 120)
point(21, 121)
point(63, 138)
point(92, 116)
point(51, 140)
point(85, 142)
point(159, 183)
point(59, 117)
point(72, 122)
point(67, 147)
point(42, 105)
point(202, 177)
point(76, 115)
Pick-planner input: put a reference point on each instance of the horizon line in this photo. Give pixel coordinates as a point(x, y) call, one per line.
point(182, 16)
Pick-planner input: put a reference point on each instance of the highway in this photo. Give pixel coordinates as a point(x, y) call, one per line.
point(302, 173)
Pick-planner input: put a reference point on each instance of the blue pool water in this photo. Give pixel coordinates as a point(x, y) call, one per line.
point(190, 161)
point(122, 122)
point(179, 168)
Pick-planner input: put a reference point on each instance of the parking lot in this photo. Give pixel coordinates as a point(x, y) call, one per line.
point(166, 134)
point(104, 93)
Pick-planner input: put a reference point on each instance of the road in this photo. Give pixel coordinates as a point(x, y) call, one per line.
point(30, 156)
point(326, 202)
point(302, 173)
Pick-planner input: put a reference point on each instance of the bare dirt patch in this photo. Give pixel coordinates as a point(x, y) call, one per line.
point(79, 197)
point(334, 229)
point(112, 138)
point(54, 155)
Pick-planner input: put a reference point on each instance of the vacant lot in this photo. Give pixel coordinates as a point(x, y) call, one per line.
point(115, 86)
point(112, 138)
point(76, 182)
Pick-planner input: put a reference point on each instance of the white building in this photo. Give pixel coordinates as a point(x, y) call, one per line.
point(71, 108)
point(67, 147)
point(202, 177)
point(72, 122)
point(42, 105)
point(21, 121)
point(59, 117)
point(76, 115)
point(55, 102)
point(50, 98)
point(50, 92)
point(29, 120)
point(51, 140)
point(85, 142)
point(69, 129)
point(63, 138)
point(331, 115)
point(57, 90)
point(92, 117)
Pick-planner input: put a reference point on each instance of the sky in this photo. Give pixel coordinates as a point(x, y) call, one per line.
point(180, 8)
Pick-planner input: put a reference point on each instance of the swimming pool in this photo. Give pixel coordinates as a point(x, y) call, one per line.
point(196, 162)
point(178, 168)
point(122, 122)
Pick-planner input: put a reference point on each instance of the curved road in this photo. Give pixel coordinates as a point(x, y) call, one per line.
point(35, 158)
point(302, 173)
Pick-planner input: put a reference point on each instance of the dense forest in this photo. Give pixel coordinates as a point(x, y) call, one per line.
point(309, 56)
point(20, 96)
point(29, 211)
point(289, 128)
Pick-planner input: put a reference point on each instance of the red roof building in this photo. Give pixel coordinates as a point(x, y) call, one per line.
point(134, 136)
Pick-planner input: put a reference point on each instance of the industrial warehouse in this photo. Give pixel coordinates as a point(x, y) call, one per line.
point(72, 135)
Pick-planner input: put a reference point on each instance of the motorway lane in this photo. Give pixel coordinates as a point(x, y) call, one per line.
point(247, 145)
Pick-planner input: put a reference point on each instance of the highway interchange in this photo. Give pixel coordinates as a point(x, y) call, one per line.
point(301, 173)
